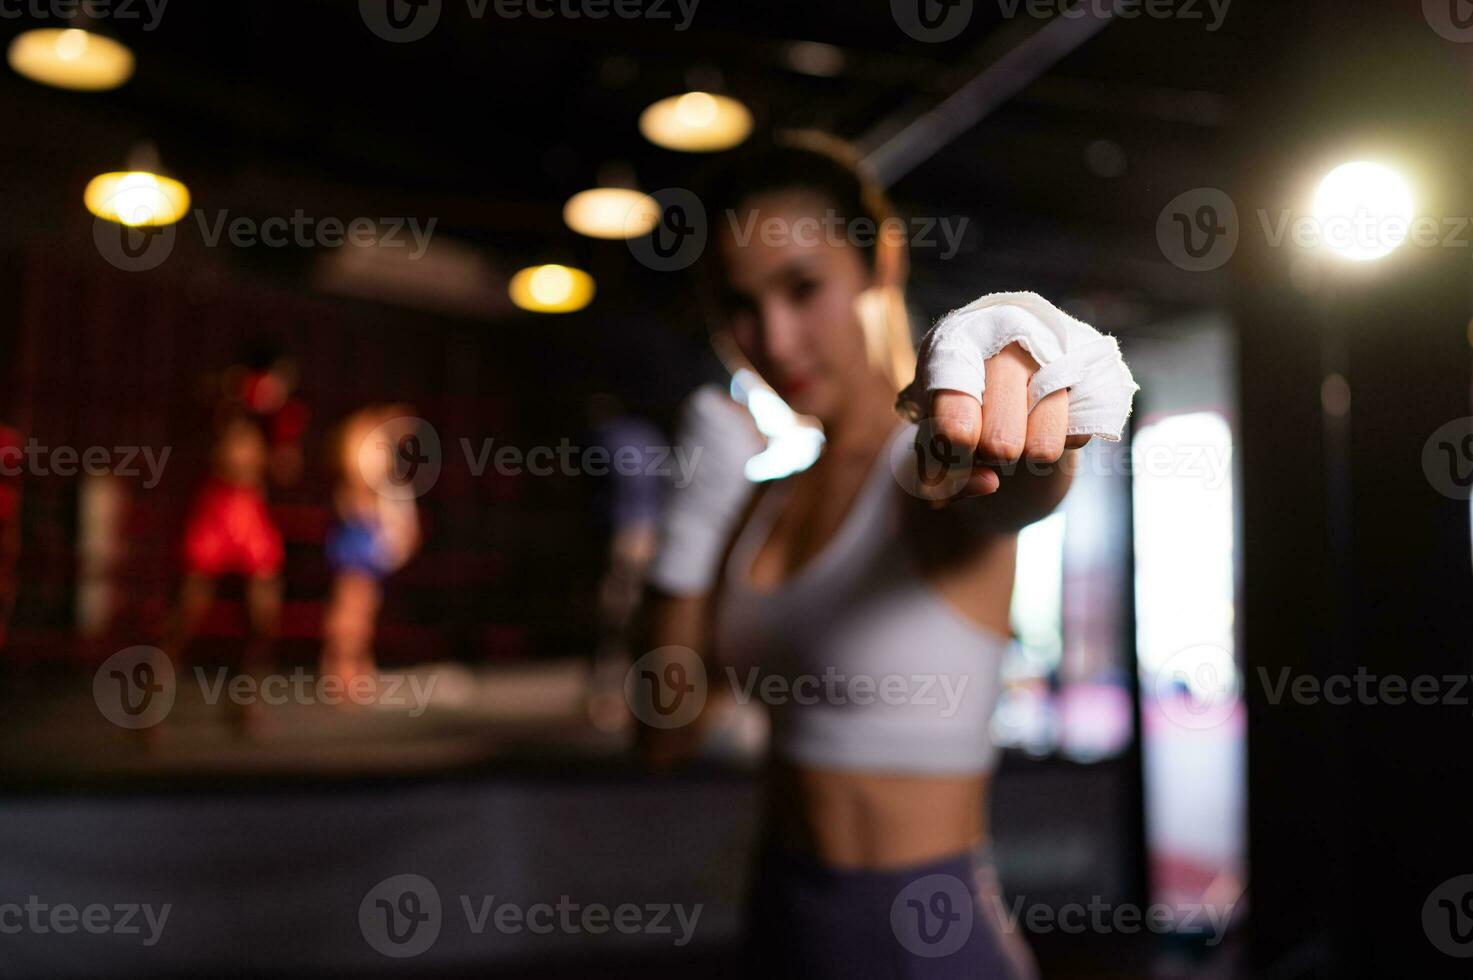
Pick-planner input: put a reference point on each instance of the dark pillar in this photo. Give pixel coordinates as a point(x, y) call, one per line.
point(1353, 562)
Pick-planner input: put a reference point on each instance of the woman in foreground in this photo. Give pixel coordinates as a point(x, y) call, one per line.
point(866, 600)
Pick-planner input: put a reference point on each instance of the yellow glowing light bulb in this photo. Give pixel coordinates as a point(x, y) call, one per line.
point(611, 212)
point(71, 44)
point(551, 289)
point(136, 198)
point(551, 285)
point(696, 122)
point(71, 58)
point(696, 109)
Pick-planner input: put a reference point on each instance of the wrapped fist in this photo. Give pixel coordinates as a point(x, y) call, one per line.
point(1010, 377)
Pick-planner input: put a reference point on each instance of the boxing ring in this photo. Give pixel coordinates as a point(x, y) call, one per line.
point(308, 847)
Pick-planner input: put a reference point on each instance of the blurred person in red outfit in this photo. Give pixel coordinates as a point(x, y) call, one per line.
point(229, 531)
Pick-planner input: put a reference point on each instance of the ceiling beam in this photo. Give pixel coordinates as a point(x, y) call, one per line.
point(895, 147)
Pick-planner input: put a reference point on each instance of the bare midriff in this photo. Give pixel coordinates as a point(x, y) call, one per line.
point(871, 820)
point(874, 821)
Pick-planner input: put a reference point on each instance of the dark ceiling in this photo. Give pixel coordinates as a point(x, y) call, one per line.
point(491, 123)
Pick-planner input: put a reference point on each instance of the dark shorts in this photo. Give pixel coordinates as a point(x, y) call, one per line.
point(929, 922)
point(355, 546)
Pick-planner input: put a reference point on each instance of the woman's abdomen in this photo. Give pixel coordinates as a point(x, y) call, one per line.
point(871, 820)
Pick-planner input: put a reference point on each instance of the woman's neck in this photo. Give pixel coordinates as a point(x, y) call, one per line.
point(863, 422)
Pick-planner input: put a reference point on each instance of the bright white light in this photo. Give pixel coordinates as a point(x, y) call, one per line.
point(137, 198)
point(791, 445)
point(1184, 544)
point(1364, 211)
point(71, 45)
point(1038, 588)
point(696, 109)
point(696, 122)
point(611, 212)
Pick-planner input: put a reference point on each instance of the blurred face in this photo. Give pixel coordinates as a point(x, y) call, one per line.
point(788, 298)
point(240, 455)
point(365, 460)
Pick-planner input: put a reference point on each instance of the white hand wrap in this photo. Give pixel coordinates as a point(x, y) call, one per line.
point(701, 515)
point(1070, 355)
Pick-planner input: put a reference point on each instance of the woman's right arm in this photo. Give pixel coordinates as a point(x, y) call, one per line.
point(669, 623)
point(709, 495)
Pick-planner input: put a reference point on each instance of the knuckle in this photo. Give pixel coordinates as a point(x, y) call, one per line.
point(956, 427)
point(1044, 449)
point(1002, 445)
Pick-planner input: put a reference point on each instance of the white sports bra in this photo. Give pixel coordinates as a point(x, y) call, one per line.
point(863, 664)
